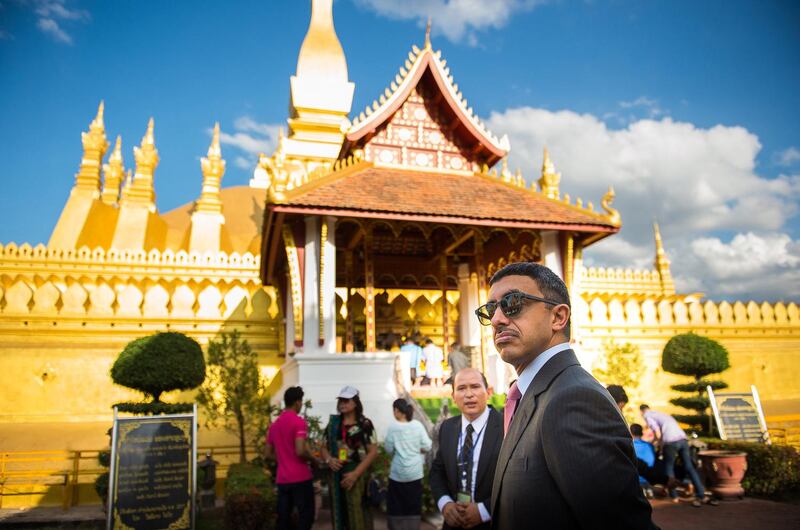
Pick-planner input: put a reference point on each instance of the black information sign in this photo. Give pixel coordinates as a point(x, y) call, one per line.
point(739, 416)
point(152, 473)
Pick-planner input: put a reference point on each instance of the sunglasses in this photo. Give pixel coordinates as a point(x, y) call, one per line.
point(511, 305)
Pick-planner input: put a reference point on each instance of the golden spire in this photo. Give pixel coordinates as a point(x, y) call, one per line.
point(95, 145)
point(113, 175)
point(662, 264)
point(213, 167)
point(549, 181)
point(141, 189)
point(428, 34)
point(321, 54)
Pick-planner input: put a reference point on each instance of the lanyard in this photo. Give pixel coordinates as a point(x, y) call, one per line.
point(474, 444)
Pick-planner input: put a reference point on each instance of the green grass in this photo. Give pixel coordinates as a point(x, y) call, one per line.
point(433, 406)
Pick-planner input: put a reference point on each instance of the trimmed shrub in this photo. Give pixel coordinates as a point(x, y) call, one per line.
point(101, 486)
point(772, 470)
point(249, 498)
point(696, 356)
point(156, 407)
point(160, 363)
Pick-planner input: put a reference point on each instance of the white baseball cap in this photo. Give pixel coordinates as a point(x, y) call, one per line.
point(348, 392)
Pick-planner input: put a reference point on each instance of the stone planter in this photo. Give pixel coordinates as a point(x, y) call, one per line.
point(725, 470)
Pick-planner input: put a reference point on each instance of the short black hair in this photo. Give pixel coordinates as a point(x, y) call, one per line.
point(404, 407)
point(618, 393)
point(644, 407)
point(552, 287)
point(636, 430)
point(292, 395)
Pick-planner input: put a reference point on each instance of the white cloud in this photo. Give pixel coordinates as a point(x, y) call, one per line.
point(693, 180)
point(51, 14)
point(455, 19)
point(757, 266)
point(787, 157)
point(250, 138)
point(51, 27)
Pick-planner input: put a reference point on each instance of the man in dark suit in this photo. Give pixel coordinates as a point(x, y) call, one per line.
point(567, 460)
point(462, 471)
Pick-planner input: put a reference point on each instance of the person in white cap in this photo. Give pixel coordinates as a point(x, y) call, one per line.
point(351, 445)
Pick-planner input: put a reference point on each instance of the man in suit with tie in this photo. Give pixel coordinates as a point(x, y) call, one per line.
point(567, 459)
point(462, 471)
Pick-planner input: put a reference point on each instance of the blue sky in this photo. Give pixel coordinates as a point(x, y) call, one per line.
point(690, 109)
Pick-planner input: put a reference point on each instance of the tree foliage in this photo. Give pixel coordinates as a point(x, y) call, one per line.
point(160, 363)
point(621, 364)
point(692, 355)
point(234, 394)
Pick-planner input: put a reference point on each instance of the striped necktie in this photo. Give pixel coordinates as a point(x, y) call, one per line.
point(466, 455)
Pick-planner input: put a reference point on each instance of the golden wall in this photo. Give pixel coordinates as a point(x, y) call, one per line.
point(66, 315)
point(763, 341)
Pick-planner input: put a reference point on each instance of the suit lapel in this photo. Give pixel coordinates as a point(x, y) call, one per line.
point(525, 410)
point(492, 436)
point(452, 453)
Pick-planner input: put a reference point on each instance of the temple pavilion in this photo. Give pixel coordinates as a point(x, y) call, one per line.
point(399, 199)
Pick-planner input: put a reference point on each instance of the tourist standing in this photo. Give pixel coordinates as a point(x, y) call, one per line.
point(412, 356)
point(287, 442)
point(407, 442)
point(672, 440)
point(350, 448)
point(457, 359)
point(434, 357)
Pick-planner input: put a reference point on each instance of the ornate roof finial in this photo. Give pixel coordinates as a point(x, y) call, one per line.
point(141, 189)
point(95, 145)
point(213, 167)
point(662, 264)
point(549, 181)
point(611, 214)
point(428, 34)
point(113, 175)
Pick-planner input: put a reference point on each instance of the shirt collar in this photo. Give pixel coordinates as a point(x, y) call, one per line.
point(526, 377)
point(478, 423)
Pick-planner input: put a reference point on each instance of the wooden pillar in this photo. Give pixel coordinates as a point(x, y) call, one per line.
point(445, 308)
point(483, 293)
point(369, 287)
point(348, 324)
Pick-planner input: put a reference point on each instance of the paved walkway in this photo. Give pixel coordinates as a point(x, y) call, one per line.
point(748, 514)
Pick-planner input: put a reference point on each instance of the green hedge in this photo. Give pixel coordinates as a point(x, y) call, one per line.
point(250, 501)
point(772, 470)
point(433, 406)
point(700, 386)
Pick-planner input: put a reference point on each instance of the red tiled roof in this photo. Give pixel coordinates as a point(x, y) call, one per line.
point(457, 197)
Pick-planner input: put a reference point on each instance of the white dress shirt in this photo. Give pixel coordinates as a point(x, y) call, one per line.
point(479, 426)
point(526, 377)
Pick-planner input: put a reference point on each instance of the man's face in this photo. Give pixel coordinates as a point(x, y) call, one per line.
point(521, 338)
point(469, 393)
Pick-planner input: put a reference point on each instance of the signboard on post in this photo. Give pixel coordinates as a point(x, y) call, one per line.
point(739, 415)
point(153, 472)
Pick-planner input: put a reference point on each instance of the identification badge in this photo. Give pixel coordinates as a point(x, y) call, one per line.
point(342, 452)
point(463, 497)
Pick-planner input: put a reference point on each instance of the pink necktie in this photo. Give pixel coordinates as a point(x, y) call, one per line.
point(512, 400)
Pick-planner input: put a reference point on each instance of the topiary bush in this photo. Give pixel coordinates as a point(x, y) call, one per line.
point(772, 470)
point(698, 357)
point(250, 502)
point(160, 363)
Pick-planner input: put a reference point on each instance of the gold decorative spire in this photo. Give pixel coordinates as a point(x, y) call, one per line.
point(548, 183)
point(662, 264)
point(113, 175)
point(95, 145)
point(321, 54)
point(428, 34)
point(213, 167)
point(141, 190)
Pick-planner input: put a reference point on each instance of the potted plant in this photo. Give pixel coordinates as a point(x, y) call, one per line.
point(725, 470)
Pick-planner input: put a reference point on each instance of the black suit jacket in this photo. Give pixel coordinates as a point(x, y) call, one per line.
point(444, 471)
point(567, 461)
